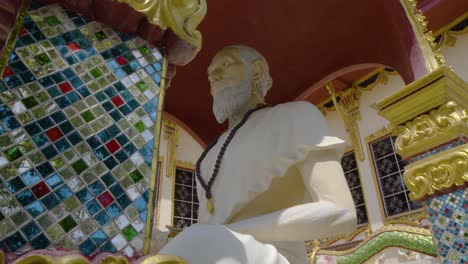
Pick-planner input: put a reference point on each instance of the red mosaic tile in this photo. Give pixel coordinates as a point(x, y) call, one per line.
point(65, 87)
point(113, 146)
point(105, 199)
point(54, 133)
point(8, 72)
point(121, 60)
point(117, 100)
point(73, 46)
point(40, 189)
point(23, 31)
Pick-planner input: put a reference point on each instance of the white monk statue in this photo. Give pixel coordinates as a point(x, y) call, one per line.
point(271, 181)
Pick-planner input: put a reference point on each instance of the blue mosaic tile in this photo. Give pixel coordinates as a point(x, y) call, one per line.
point(73, 99)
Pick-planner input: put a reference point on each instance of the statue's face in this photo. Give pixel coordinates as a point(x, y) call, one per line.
point(231, 83)
point(226, 70)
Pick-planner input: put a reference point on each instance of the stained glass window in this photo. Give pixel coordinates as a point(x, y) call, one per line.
point(350, 169)
point(389, 169)
point(185, 198)
point(78, 104)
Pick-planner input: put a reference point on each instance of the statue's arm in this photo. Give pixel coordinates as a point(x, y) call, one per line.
point(331, 214)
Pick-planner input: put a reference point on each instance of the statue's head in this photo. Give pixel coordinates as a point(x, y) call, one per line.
point(233, 73)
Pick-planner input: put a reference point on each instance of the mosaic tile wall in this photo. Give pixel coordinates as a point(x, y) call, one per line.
point(78, 108)
point(185, 198)
point(351, 171)
point(389, 169)
point(448, 215)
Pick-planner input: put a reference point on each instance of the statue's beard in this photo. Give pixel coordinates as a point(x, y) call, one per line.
point(230, 100)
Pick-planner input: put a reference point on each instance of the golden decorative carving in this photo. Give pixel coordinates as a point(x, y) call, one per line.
point(78, 259)
point(171, 134)
point(430, 130)
point(423, 95)
point(181, 16)
point(348, 109)
point(432, 55)
point(10, 42)
point(412, 219)
point(329, 241)
point(437, 173)
point(366, 83)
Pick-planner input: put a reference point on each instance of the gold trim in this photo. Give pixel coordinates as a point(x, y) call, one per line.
point(348, 110)
point(430, 130)
point(155, 160)
point(74, 258)
point(10, 42)
point(383, 132)
point(426, 93)
point(381, 78)
point(443, 171)
point(412, 219)
point(171, 135)
point(432, 56)
point(447, 35)
point(182, 17)
point(160, 188)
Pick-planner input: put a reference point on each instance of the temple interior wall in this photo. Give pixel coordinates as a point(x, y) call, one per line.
point(188, 150)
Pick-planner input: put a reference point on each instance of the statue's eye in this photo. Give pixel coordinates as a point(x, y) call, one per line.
point(225, 64)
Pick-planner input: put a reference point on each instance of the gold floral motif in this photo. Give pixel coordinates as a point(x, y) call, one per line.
point(311, 244)
point(430, 130)
point(181, 16)
point(442, 171)
point(348, 109)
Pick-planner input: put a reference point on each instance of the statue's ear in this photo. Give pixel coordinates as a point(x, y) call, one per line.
point(258, 70)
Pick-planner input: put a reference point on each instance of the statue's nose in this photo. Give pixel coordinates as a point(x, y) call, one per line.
point(214, 78)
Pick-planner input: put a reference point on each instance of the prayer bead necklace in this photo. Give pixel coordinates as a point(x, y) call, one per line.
point(207, 186)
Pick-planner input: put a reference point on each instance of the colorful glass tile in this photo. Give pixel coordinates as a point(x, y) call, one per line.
point(78, 102)
point(448, 215)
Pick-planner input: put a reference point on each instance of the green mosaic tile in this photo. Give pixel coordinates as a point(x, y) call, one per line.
point(57, 162)
point(131, 212)
point(54, 232)
point(79, 166)
point(20, 218)
point(88, 226)
point(71, 204)
point(68, 223)
point(144, 50)
point(25, 117)
point(45, 221)
point(6, 227)
point(96, 73)
point(30, 102)
point(52, 20)
point(88, 116)
point(13, 154)
point(129, 232)
point(126, 182)
point(136, 176)
point(140, 127)
point(42, 59)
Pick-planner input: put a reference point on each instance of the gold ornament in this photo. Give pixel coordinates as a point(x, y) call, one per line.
point(210, 206)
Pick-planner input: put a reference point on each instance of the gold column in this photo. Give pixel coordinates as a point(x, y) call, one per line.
point(171, 134)
point(429, 118)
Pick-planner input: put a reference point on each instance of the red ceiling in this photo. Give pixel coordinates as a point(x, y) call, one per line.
point(305, 42)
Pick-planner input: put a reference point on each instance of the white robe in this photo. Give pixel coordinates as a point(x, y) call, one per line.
point(266, 146)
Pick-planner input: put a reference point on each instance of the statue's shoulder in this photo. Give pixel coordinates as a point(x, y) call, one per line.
point(296, 109)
